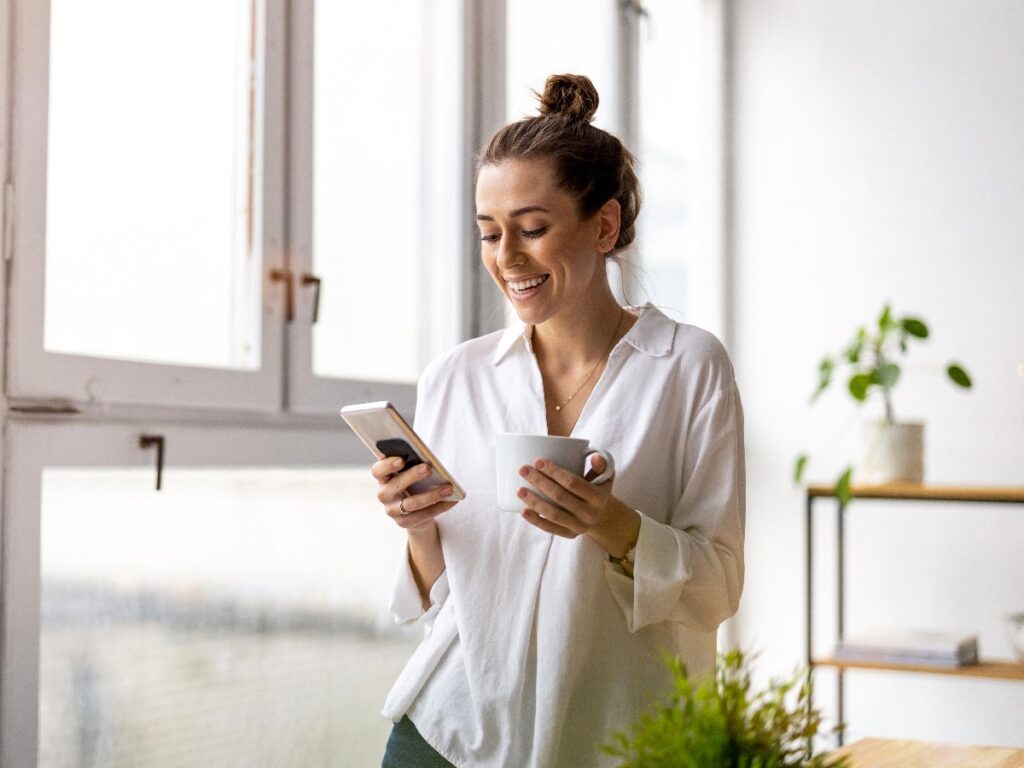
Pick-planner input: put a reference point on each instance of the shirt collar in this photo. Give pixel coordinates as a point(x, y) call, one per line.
point(652, 334)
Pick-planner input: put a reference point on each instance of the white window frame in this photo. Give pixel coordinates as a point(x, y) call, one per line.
point(308, 393)
point(482, 63)
point(32, 445)
point(35, 374)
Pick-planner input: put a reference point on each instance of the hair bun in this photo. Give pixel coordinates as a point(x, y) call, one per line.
point(571, 95)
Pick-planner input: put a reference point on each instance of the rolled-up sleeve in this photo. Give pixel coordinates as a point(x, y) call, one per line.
point(691, 569)
point(406, 605)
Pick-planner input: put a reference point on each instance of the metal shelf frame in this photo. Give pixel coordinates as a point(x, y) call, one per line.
point(891, 492)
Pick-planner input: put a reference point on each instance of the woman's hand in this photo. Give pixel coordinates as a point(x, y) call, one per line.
point(415, 512)
point(580, 507)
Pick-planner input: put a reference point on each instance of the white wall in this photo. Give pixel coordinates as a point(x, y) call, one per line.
point(879, 155)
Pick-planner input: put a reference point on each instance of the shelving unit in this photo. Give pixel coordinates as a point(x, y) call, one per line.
point(986, 668)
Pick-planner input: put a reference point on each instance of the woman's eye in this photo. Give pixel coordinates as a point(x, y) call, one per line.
point(490, 238)
point(534, 232)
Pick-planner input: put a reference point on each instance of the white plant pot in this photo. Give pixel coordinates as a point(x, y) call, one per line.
point(891, 453)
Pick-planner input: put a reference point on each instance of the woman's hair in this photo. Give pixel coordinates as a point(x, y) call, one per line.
point(589, 163)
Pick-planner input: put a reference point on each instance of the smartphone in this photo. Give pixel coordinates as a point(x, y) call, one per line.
point(381, 427)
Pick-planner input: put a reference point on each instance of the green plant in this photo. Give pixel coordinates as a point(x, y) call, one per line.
point(718, 722)
point(871, 357)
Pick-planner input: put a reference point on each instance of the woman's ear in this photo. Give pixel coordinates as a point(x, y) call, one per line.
point(608, 219)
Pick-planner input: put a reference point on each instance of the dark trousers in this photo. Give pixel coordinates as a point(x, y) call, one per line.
point(407, 749)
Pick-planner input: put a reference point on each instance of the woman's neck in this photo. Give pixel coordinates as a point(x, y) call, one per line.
point(577, 337)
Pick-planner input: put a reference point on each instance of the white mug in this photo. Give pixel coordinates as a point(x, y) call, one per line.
point(515, 450)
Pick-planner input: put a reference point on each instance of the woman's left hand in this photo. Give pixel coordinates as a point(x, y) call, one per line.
point(579, 506)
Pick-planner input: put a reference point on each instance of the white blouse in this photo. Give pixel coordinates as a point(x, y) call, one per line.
point(537, 647)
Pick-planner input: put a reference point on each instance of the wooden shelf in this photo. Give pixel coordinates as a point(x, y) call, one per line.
point(925, 492)
point(890, 753)
point(997, 669)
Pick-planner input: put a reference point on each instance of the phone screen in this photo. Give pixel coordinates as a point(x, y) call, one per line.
point(400, 448)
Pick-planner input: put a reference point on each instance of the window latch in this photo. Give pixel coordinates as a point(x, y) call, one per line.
point(315, 281)
point(146, 441)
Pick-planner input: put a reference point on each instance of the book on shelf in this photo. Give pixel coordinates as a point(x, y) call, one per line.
point(921, 647)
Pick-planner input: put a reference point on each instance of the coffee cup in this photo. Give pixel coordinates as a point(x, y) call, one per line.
point(515, 450)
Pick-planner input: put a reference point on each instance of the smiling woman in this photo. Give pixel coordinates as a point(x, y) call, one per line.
point(546, 627)
point(555, 198)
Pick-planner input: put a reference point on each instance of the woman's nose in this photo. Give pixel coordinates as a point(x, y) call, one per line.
point(509, 254)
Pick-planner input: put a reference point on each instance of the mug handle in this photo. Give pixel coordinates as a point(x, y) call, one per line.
point(609, 471)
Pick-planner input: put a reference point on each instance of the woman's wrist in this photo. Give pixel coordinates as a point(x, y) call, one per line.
point(426, 559)
point(618, 531)
point(425, 533)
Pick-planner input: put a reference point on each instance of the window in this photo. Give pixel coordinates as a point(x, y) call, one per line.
point(149, 197)
point(139, 217)
point(384, 113)
point(376, 178)
point(680, 159)
point(166, 624)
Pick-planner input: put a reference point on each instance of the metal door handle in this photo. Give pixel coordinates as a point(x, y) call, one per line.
point(284, 276)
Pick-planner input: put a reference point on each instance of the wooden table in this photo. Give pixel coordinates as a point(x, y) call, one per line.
point(889, 753)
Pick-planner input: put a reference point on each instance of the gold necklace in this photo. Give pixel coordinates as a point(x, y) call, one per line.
point(600, 360)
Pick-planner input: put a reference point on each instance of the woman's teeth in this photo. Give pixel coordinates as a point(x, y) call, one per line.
point(521, 286)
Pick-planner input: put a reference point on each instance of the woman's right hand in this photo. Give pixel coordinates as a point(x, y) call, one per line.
point(415, 512)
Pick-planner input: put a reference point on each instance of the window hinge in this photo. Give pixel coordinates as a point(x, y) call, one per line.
point(8, 241)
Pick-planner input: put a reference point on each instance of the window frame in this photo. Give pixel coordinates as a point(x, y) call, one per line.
point(482, 106)
point(307, 392)
point(35, 443)
point(35, 374)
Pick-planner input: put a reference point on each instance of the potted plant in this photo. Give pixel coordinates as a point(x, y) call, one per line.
point(718, 722)
point(892, 451)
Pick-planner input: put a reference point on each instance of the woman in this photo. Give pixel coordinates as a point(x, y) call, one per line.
point(544, 631)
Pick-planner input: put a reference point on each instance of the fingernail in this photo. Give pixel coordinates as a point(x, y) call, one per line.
point(524, 471)
point(396, 463)
point(521, 493)
point(447, 491)
point(425, 469)
point(540, 463)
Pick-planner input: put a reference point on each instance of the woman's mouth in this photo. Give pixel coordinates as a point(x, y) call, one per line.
point(524, 289)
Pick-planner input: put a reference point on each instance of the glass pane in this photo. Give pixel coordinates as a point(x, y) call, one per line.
point(237, 617)
point(149, 197)
point(385, 170)
point(672, 80)
point(545, 38)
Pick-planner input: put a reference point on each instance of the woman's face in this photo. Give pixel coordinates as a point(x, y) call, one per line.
point(544, 257)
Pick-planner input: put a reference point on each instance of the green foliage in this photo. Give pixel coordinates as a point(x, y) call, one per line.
point(798, 470)
point(719, 722)
point(915, 328)
point(959, 376)
point(871, 358)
